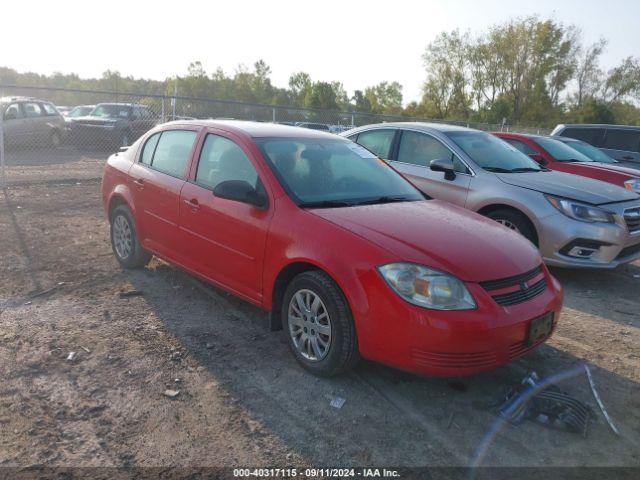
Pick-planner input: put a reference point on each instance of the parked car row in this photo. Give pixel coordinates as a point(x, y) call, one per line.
point(575, 221)
point(365, 245)
point(31, 122)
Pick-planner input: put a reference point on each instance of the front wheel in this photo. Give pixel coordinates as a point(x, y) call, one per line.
point(514, 221)
point(124, 240)
point(319, 325)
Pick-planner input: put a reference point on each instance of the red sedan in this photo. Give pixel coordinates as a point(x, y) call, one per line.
point(558, 155)
point(349, 258)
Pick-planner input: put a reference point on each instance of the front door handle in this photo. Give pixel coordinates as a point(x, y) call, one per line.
point(139, 183)
point(193, 204)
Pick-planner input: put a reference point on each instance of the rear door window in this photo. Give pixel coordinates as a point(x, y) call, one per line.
point(377, 141)
point(171, 154)
point(32, 110)
point(626, 140)
point(149, 149)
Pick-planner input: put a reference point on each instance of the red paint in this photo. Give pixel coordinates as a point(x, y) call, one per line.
point(243, 249)
point(599, 171)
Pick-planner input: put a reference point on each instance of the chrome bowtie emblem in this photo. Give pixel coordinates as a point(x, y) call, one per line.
point(524, 286)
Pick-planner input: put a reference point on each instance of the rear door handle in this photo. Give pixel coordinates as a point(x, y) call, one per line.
point(139, 183)
point(193, 204)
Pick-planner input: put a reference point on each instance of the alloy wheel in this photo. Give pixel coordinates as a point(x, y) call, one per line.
point(510, 225)
point(309, 325)
point(122, 236)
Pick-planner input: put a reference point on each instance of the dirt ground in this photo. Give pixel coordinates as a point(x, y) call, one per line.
point(243, 401)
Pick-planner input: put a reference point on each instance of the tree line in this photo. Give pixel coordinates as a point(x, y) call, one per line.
point(529, 70)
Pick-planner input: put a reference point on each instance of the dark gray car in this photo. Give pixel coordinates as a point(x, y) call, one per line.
point(575, 221)
point(29, 122)
point(111, 125)
point(620, 142)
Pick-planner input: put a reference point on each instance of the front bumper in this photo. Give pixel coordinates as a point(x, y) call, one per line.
point(612, 244)
point(450, 343)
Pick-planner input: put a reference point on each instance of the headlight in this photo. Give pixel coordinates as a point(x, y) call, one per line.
point(581, 211)
point(633, 185)
point(426, 287)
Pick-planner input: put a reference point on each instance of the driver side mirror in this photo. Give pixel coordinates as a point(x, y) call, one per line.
point(240, 191)
point(538, 158)
point(443, 165)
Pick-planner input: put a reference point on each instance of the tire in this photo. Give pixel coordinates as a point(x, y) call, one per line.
point(341, 352)
point(124, 239)
point(55, 140)
point(515, 221)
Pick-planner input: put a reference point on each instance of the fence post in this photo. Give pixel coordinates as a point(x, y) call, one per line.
point(353, 123)
point(162, 112)
point(273, 111)
point(3, 178)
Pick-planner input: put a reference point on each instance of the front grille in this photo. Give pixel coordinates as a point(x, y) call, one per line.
point(628, 251)
point(509, 281)
point(521, 295)
point(632, 219)
point(524, 291)
point(453, 360)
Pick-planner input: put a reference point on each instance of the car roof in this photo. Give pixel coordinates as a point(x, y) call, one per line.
point(421, 126)
point(257, 129)
point(598, 125)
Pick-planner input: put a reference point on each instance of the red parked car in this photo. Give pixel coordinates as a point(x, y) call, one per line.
point(349, 258)
point(558, 155)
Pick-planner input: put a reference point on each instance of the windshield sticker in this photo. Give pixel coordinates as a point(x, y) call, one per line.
point(361, 151)
point(123, 113)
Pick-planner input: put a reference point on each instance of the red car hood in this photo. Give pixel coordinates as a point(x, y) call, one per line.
point(440, 235)
point(594, 169)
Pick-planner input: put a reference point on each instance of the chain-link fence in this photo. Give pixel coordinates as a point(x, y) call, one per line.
point(57, 126)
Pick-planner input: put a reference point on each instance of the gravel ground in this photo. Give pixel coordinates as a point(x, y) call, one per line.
point(243, 401)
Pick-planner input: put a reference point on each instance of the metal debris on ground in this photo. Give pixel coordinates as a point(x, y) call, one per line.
point(550, 407)
point(338, 402)
point(71, 357)
point(171, 393)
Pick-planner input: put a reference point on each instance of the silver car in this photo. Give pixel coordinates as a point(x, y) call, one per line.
point(29, 122)
point(575, 221)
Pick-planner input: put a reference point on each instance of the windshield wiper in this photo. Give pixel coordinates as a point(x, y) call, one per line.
point(497, 169)
point(326, 204)
point(526, 169)
point(383, 199)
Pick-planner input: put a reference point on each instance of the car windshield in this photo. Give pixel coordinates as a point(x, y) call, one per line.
point(80, 111)
point(590, 151)
point(111, 111)
point(493, 154)
point(334, 173)
point(561, 152)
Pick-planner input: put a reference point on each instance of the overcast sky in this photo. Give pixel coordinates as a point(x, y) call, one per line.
point(359, 43)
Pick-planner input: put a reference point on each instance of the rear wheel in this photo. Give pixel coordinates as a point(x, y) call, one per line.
point(124, 240)
point(515, 221)
point(319, 325)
